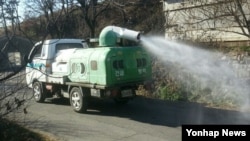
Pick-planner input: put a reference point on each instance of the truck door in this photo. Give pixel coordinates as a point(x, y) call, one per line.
point(38, 67)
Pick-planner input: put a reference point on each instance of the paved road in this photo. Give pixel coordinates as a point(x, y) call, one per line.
point(142, 119)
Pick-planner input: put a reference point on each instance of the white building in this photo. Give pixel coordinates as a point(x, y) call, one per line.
point(208, 20)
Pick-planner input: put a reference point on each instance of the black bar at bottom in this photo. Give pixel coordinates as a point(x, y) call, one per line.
point(215, 132)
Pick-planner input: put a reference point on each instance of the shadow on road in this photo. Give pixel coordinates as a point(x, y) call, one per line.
point(58, 101)
point(167, 113)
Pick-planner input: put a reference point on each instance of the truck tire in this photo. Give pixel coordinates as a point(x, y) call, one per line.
point(78, 100)
point(38, 92)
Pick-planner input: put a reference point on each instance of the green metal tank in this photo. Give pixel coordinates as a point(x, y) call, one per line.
point(110, 66)
point(111, 63)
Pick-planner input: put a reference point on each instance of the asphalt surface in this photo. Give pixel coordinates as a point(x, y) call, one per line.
point(141, 119)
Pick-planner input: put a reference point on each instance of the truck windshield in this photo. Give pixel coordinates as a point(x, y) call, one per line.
point(62, 46)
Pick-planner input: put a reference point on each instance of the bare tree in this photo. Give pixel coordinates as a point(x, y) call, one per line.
point(12, 94)
point(240, 11)
point(55, 15)
point(92, 9)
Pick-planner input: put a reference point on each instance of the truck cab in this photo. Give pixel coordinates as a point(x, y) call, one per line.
point(44, 54)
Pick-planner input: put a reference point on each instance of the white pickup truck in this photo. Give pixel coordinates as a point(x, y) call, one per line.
point(69, 68)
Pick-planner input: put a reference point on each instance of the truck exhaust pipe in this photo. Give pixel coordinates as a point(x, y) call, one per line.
point(109, 35)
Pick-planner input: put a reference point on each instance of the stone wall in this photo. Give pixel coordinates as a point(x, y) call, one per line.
point(189, 20)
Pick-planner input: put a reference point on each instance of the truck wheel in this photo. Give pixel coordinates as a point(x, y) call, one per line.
point(78, 100)
point(38, 92)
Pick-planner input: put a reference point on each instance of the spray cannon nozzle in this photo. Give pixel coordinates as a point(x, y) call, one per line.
point(110, 33)
point(129, 34)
